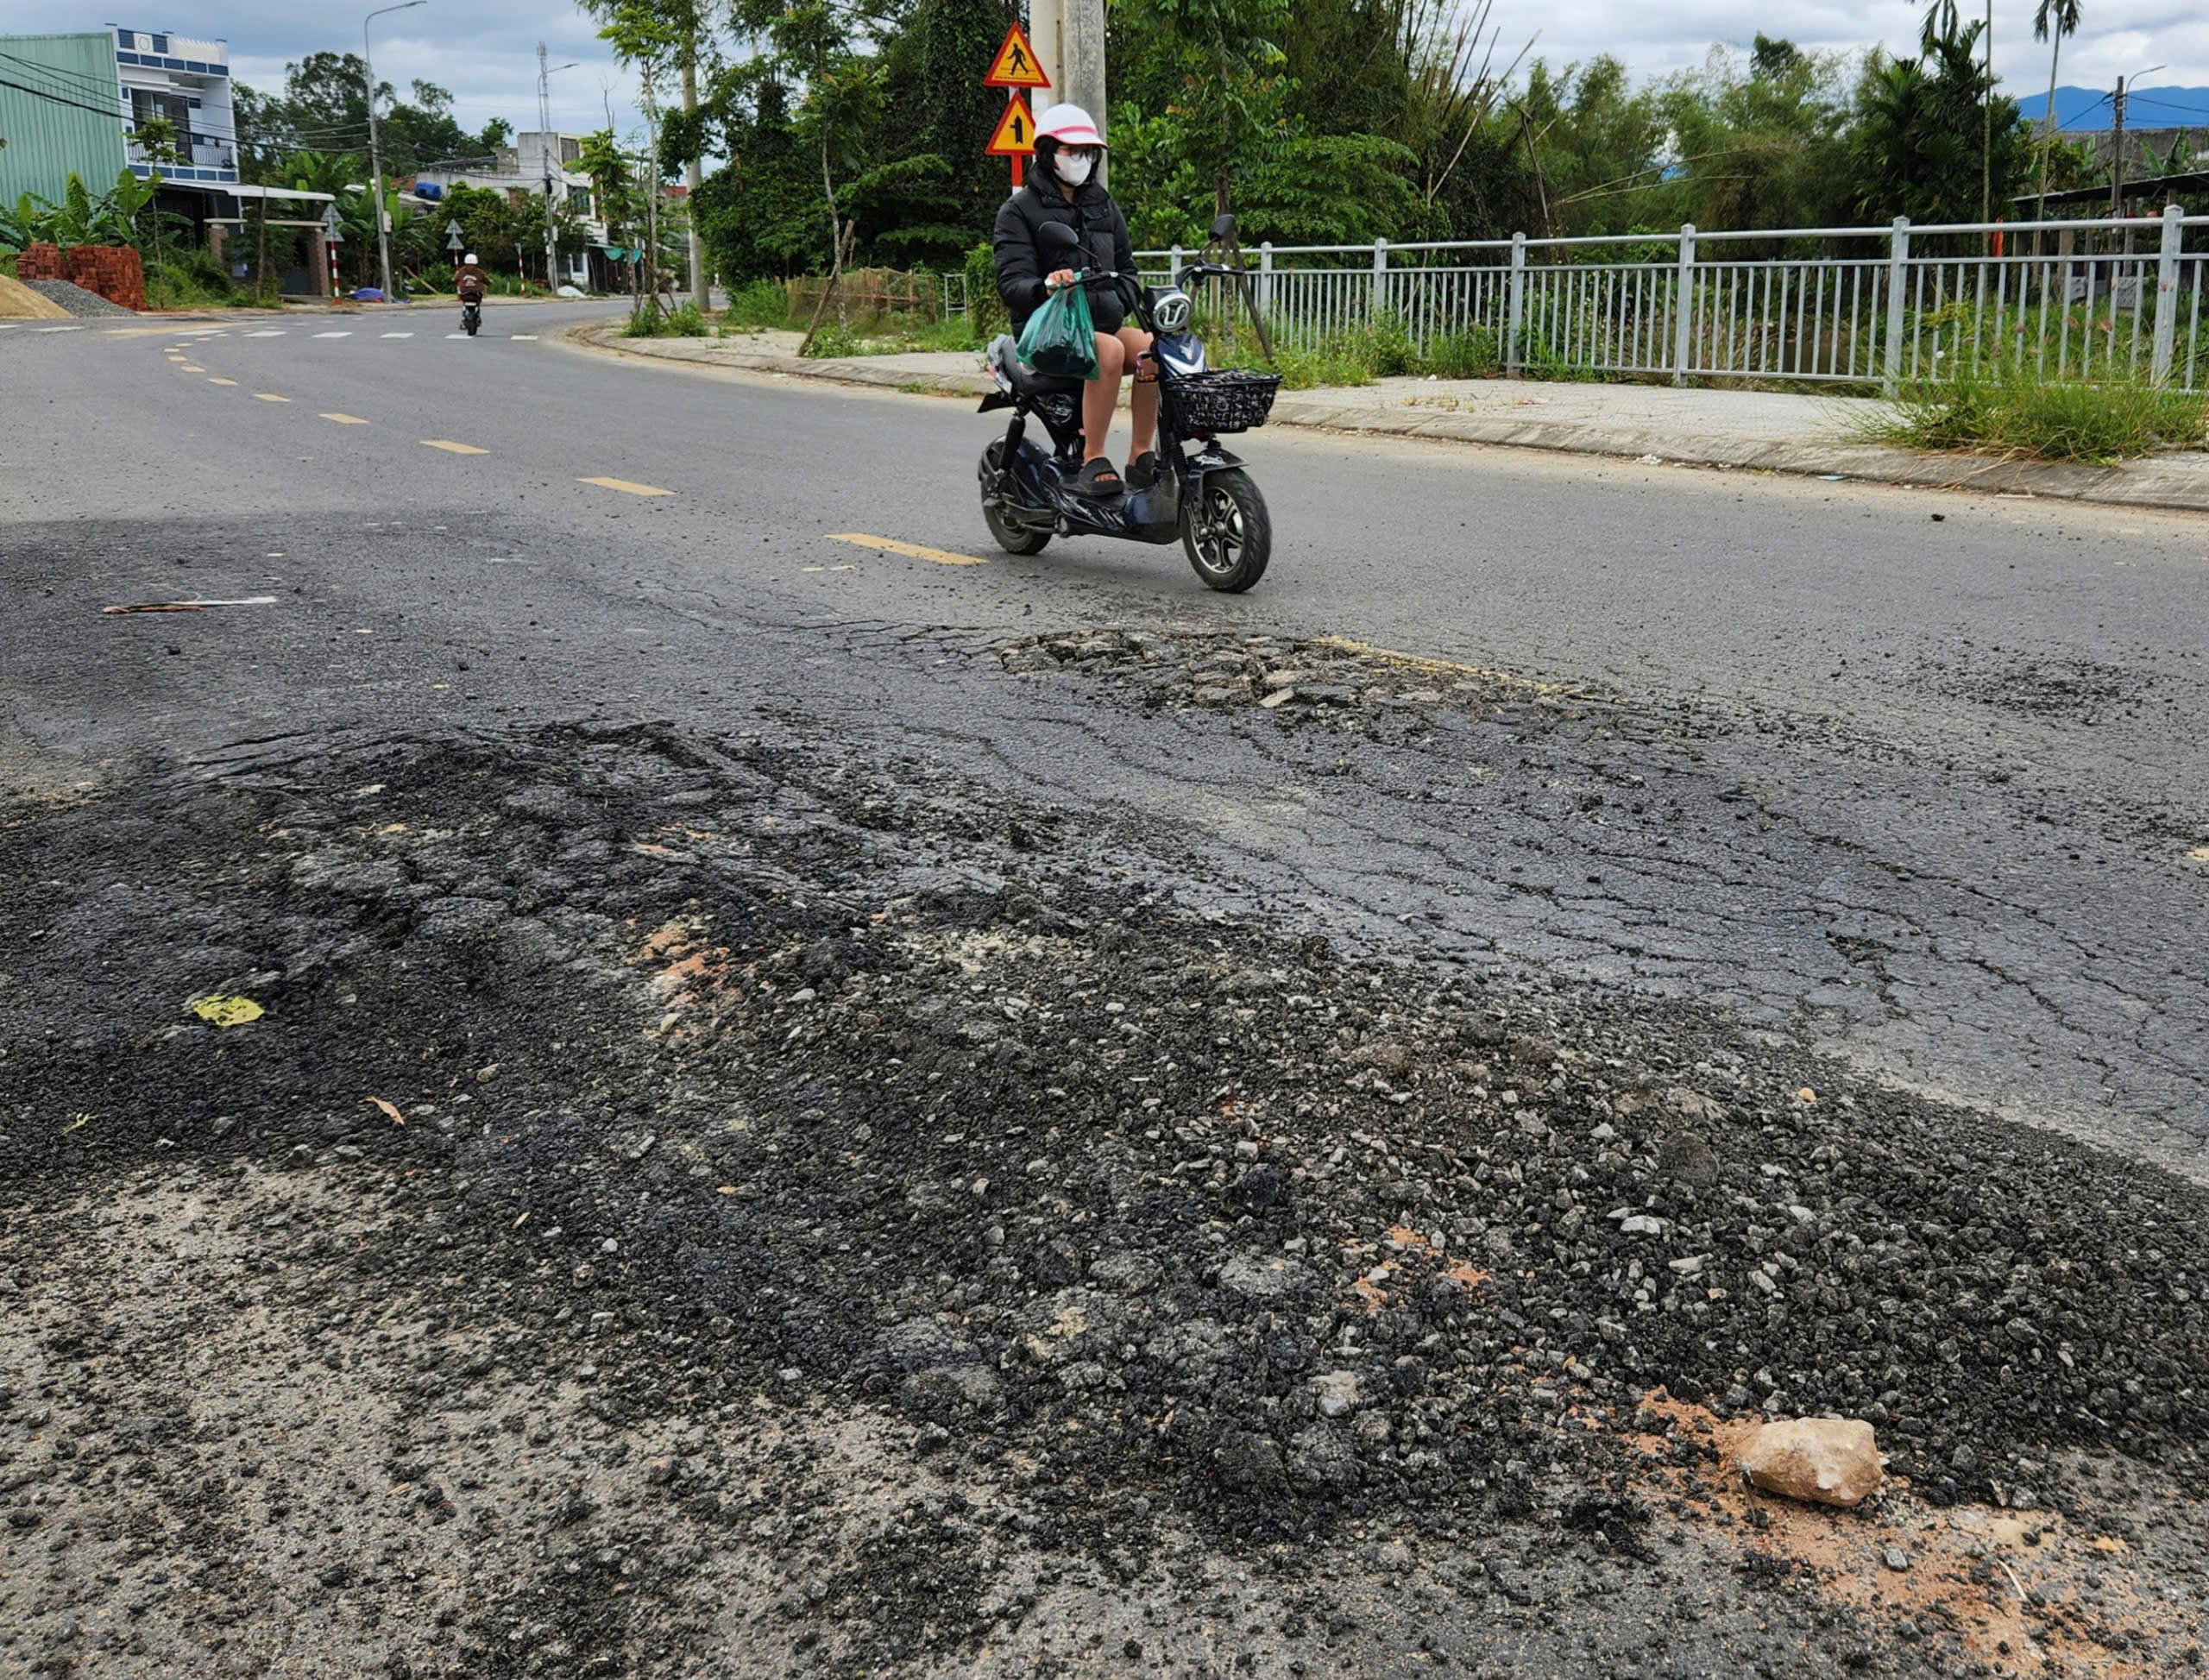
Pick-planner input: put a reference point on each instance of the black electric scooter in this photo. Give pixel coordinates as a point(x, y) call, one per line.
point(471, 315)
point(1202, 495)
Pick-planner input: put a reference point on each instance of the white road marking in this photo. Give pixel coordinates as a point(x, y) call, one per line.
point(267, 332)
point(399, 335)
point(455, 335)
point(524, 338)
point(348, 333)
point(61, 329)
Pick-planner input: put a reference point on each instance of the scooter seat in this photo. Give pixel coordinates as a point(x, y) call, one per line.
point(1005, 356)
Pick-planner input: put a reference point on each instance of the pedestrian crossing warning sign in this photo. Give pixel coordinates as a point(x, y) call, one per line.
point(1016, 134)
point(1014, 65)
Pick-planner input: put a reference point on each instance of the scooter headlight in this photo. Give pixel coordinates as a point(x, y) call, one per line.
point(1172, 312)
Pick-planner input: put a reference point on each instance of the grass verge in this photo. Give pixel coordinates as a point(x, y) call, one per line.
point(2006, 409)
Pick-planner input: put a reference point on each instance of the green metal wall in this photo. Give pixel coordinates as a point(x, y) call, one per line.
point(47, 138)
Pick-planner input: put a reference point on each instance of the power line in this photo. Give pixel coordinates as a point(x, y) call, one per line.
point(56, 99)
point(89, 84)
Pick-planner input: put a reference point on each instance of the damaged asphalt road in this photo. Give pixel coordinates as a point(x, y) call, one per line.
point(919, 1136)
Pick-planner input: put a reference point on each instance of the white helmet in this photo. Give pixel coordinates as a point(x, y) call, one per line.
point(1069, 125)
point(468, 261)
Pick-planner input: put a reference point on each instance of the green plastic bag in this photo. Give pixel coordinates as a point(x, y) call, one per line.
point(1060, 339)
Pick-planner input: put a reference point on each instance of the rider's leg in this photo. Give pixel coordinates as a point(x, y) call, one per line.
point(1134, 341)
point(1101, 395)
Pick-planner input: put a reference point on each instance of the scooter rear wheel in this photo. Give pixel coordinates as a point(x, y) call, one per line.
point(1011, 538)
point(1226, 531)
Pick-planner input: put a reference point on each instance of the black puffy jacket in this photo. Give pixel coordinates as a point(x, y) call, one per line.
point(1021, 263)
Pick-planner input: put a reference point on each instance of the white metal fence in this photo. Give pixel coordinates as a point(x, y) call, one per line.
point(2074, 301)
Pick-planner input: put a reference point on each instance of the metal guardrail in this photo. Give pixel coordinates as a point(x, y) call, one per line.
point(1871, 306)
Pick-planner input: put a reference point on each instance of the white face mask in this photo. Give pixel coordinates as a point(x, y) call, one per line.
point(1073, 167)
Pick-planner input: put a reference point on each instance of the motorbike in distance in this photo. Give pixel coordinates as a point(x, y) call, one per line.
point(1204, 495)
point(471, 313)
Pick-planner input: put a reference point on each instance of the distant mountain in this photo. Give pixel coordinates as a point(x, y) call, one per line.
point(2086, 110)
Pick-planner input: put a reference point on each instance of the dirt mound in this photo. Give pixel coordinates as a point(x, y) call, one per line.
point(19, 303)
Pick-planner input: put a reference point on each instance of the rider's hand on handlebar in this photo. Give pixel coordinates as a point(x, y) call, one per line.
point(1063, 277)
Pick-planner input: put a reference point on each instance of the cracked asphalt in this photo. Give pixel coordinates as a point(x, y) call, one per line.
point(1817, 870)
point(1919, 774)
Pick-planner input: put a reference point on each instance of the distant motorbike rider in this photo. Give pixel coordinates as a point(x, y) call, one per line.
point(470, 282)
point(1062, 187)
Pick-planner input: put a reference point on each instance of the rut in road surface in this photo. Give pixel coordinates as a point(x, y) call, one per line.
point(751, 1196)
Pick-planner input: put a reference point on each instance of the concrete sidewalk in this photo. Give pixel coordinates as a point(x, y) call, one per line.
point(1762, 431)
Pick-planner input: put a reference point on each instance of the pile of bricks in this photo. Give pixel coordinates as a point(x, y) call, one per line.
point(112, 271)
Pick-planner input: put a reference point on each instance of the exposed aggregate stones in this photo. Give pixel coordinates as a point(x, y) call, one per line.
point(1300, 679)
point(680, 1076)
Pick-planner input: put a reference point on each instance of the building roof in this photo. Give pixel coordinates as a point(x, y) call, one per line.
point(2165, 188)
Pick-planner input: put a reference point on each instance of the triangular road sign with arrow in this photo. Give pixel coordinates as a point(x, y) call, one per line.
point(1016, 134)
point(1015, 63)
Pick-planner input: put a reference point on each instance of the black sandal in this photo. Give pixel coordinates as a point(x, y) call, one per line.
point(1143, 471)
point(1099, 479)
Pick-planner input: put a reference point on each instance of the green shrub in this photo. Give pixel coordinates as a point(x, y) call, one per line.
point(831, 339)
point(984, 308)
point(685, 322)
point(1389, 342)
point(2008, 407)
point(186, 280)
point(764, 303)
point(1468, 355)
point(1342, 359)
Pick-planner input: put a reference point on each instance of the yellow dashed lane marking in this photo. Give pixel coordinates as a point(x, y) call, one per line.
point(451, 448)
point(263, 396)
point(222, 382)
point(346, 419)
point(892, 545)
point(190, 368)
point(623, 485)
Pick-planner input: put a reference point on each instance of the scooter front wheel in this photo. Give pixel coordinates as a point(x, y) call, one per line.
point(1226, 531)
point(1011, 538)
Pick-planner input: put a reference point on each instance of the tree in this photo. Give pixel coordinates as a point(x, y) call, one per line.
point(677, 33)
point(2051, 22)
point(324, 108)
point(1916, 123)
point(156, 137)
point(1214, 70)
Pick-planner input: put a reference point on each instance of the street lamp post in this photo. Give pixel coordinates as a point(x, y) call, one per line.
point(375, 142)
point(545, 148)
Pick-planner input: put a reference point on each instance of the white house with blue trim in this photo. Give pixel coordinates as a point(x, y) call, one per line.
point(188, 81)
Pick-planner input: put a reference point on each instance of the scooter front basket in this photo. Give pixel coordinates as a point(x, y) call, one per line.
point(1229, 399)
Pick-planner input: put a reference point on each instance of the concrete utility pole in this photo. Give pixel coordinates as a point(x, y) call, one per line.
point(701, 292)
point(544, 149)
point(1068, 36)
point(376, 143)
point(2116, 153)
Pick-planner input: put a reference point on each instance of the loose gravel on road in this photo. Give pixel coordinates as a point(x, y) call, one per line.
point(76, 300)
point(732, 1206)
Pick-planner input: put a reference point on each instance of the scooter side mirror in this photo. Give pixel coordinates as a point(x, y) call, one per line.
point(1055, 236)
point(1223, 225)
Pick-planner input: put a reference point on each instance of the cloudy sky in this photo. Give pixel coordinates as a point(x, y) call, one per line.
point(485, 50)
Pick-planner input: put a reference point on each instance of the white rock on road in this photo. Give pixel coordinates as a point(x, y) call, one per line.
point(1834, 1461)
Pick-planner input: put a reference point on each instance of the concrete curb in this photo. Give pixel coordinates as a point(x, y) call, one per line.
point(2145, 485)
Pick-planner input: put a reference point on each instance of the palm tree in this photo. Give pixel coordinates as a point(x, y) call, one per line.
point(2064, 15)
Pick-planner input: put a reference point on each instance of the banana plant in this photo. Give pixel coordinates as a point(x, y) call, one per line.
point(28, 221)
